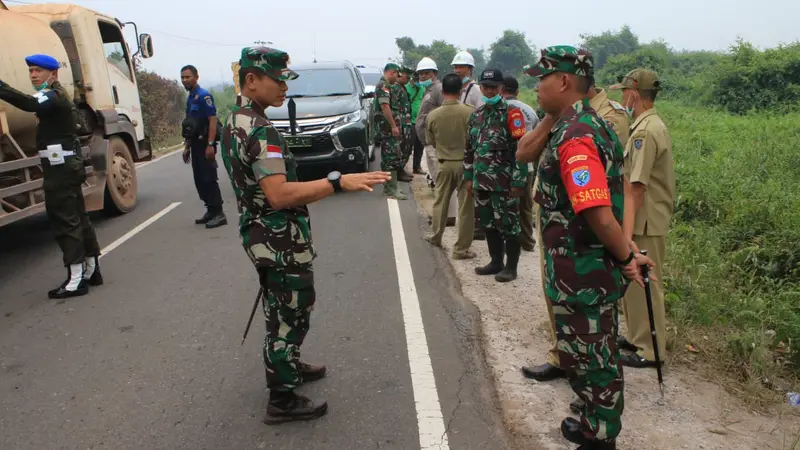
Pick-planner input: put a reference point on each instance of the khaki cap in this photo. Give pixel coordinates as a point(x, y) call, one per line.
point(639, 79)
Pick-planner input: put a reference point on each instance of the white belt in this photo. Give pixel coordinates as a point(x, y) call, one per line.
point(46, 153)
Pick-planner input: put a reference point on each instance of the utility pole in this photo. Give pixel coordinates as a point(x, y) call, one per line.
point(314, 50)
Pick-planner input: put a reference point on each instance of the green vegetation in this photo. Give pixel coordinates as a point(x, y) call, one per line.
point(163, 103)
point(732, 272)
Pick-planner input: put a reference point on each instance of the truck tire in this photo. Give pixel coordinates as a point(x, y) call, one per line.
point(121, 182)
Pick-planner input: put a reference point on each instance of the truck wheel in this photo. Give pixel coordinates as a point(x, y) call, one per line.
point(121, 182)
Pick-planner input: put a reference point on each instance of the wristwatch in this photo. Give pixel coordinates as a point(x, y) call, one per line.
point(628, 260)
point(335, 178)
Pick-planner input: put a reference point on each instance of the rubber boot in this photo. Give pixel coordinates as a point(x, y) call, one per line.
point(509, 272)
point(92, 273)
point(495, 243)
point(390, 189)
point(74, 285)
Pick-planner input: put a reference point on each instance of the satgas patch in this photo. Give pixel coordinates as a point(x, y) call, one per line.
point(581, 176)
point(516, 123)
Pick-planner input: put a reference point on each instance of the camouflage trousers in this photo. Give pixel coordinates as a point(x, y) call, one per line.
point(391, 152)
point(498, 211)
point(408, 144)
point(587, 351)
point(288, 299)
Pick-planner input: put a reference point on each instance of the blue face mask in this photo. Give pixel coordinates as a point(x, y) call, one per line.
point(425, 83)
point(465, 80)
point(492, 101)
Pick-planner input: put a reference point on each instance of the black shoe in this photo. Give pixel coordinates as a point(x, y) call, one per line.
point(495, 243)
point(62, 292)
point(625, 344)
point(577, 405)
point(203, 220)
point(97, 278)
point(545, 372)
point(309, 372)
point(290, 407)
point(636, 361)
point(217, 221)
point(509, 272)
point(571, 430)
point(478, 235)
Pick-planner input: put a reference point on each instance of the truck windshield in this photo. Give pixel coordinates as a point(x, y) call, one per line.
point(321, 83)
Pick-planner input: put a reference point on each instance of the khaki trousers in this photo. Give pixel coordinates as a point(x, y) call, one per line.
point(449, 179)
point(552, 354)
point(432, 165)
point(634, 304)
point(526, 215)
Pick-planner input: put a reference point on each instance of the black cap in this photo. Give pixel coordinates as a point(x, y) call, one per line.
point(510, 83)
point(492, 77)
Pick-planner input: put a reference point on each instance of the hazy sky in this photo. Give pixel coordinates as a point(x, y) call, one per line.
point(210, 34)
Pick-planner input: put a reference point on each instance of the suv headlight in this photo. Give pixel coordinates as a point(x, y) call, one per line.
point(353, 117)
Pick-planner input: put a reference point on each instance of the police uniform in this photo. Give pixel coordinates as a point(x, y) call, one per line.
point(63, 173)
point(199, 108)
point(278, 241)
point(490, 165)
point(582, 168)
point(614, 115)
point(648, 162)
point(391, 146)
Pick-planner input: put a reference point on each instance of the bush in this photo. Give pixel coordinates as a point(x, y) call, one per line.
point(163, 104)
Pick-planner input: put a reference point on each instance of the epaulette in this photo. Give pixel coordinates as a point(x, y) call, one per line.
point(616, 105)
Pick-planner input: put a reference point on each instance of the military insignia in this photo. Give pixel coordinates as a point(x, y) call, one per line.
point(616, 105)
point(637, 144)
point(581, 177)
point(517, 123)
point(196, 96)
point(209, 102)
point(577, 158)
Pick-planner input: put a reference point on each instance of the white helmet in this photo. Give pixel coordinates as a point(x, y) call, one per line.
point(427, 64)
point(463, 58)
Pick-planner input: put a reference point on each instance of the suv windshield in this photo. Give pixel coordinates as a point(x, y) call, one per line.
point(321, 83)
point(371, 78)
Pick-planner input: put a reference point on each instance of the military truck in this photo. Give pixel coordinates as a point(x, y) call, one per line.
point(98, 73)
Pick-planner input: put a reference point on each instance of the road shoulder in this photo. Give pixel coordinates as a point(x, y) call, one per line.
point(514, 327)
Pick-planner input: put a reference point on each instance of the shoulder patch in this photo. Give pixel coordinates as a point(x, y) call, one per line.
point(516, 123)
point(581, 176)
point(274, 151)
point(616, 105)
point(638, 143)
point(209, 101)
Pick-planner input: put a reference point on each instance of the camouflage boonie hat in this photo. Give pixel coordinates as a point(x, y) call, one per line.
point(271, 61)
point(639, 79)
point(562, 58)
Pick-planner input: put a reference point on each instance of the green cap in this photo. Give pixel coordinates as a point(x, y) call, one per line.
point(391, 66)
point(562, 58)
point(639, 79)
point(271, 61)
point(407, 70)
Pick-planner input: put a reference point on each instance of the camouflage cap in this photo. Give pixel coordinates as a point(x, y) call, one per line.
point(391, 66)
point(407, 70)
point(639, 79)
point(562, 58)
point(271, 61)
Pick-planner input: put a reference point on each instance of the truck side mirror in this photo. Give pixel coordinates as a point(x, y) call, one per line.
point(146, 45)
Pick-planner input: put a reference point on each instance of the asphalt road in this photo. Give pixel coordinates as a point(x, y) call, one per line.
point(151, 359)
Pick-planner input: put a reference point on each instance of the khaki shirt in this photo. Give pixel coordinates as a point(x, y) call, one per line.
point(648, 160)
point(613, 113)
point(447, 130)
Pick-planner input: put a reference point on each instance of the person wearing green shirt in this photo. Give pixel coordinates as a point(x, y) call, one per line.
point(416, 93)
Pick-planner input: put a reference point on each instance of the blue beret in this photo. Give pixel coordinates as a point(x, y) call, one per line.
point(43, 61)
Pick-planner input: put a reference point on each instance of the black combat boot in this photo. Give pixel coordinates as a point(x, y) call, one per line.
point(92, 273)
point(286, 406)
point(495, 243)
point(204, 220)
point(73, 286)
point(571, 430)
point(509, 272)
point(310, 372)
point(217, 220)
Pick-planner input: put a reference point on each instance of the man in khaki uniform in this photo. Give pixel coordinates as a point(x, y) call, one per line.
point(649, 167)
point(613, 113)
point(447, 131)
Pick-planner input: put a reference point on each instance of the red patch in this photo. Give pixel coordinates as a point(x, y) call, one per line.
point(583, 174)
point(516, 123)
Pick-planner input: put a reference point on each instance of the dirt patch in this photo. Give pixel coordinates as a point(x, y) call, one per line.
point(697, 414)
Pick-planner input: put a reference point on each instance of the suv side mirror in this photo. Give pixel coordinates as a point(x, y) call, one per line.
point(146, 45)
point(368, 95)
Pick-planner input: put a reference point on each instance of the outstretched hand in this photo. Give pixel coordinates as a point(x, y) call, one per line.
point(363, 181)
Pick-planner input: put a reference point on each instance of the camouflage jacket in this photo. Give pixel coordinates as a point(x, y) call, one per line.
point(405, 104)
point(490, 157)
point(578, 269)
point(252, 149)
point(387, 93)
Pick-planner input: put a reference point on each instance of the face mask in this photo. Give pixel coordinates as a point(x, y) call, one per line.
point(492, 101)
point(465, 80)
point(425, 83)
point(42, 86)
point(629, 109)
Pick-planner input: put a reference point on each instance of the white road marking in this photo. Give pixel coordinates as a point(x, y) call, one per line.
point(147, 163)
point(426, 399)
point(138, 229)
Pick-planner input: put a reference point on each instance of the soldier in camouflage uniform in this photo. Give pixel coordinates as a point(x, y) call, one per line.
point(497, 180)
point(588, 260)
point(389, 123)
point(275, 226)
point(405, 105)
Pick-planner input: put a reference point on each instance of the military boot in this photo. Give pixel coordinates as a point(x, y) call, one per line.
point(571, 430)
point(495, 243)
point(286, 406)
point(92, 274)
point(218, 220)
point(204, 220)
point(74, 286)
point(391, 190)
point(509, 272)
point(310, 372)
